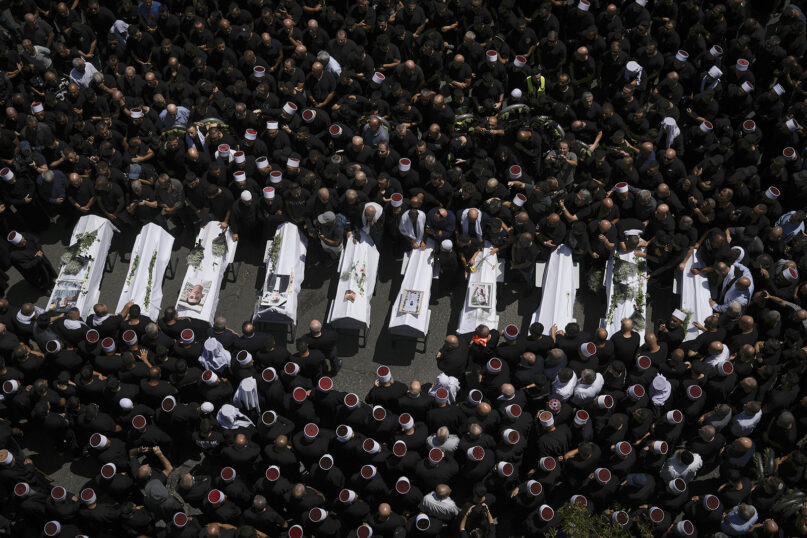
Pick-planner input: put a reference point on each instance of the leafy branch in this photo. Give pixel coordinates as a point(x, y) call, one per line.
point(147, 300)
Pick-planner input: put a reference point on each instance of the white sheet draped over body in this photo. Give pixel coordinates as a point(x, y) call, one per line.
point(487, 267)
point(695, 296)
point(418, 277)
point(558, 291)
point(358, 268)
point(625, 308)
point(90, 275)
point(144, 281)
point(290, 261)
point(212, 269)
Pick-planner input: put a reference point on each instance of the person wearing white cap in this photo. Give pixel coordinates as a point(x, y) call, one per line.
point(27, 257)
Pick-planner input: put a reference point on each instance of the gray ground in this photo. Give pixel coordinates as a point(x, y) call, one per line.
point(515, 305)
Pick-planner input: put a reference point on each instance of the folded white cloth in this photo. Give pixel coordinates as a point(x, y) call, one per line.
point(246, 396)
point(230, 418)
point(214, 356)
point(660, 395)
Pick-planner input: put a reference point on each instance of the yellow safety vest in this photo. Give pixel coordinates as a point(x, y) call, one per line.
point(532, 89)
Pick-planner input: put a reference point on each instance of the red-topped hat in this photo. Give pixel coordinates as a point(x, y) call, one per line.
point(364, 531)
point(602, 475)
point(129, 337)
point(581, 417)
point(316, 514)
point(21, 489)
point(547, 513)
point(180, 519)
point(351, 400)
point(368, 471)
point(296, 531)
point(58, 494)
point(326, 462)
point(186, 336)
point(513, 411)
point(406, 421)
point(511, 332)
point(92, 336)
point(621, 187)
point(299, 395)
point(579, 500)
point(441, 395)
point(643, 362)
point(139, 422)
point(399, 448)
point(52, 528)
point(371, 446)
point(402, 485)
point(308, 115)
point(396, 200)
point(268, 374)
point(291, 368)
point(325, 384)
point(477, 453)
point(311, 431)
point(636, 391)
point(534, 488)
point(215, 497)
point(656, 514)
point(547, 463)
point(379, 413)
point(272, 473)
point(435, 455)
point(694, 392)
point(623, 448)
point(588, 349)
point(494, 366)
point(108, 470)
point(711, 502)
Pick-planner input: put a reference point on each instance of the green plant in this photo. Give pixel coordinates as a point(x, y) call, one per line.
point(578, 522)
point(147, 300)
point(133, 269)
point(274, 253)
point(219, 245)
point(75, 256)
point(196, 255)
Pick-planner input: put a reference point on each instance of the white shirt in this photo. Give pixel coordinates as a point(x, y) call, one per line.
point(564, 391)
point(743, 424)
point(586, 393)
point(713, 361)
point(83, 79)
point(734, 525)
point(674, 468)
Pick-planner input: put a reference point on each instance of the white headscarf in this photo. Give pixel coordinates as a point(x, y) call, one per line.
point(660, 395)
point(378, 210)
point(73, 324)
point(445, 381)
point(632, 69)
point(214, 356)
point(230, 418)
point(246, 397)
point(408, 230)
point(670, 128)
point(120, 30)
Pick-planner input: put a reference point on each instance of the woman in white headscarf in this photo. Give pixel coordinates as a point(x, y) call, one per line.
point(214, 356)
point(230, 418)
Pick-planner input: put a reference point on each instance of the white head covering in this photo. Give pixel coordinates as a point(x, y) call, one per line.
point(445, 381)
point(660, 390)
point(214, 356)
point(230, 418)
point(634, 69)
point(669, 128)
point(246, 397)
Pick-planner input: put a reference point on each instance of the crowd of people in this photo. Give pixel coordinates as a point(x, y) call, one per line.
point(675, 130)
